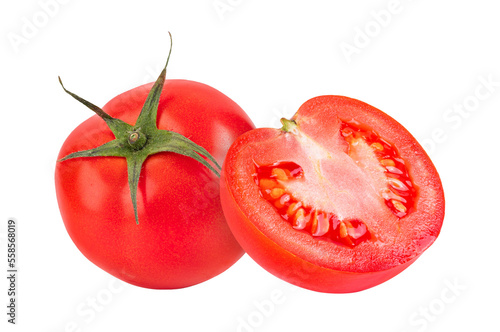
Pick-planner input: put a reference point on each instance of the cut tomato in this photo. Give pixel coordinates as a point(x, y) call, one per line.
point(340, 199)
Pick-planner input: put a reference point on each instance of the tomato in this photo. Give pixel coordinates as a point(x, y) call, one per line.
point(181, 238)
point(342, 198)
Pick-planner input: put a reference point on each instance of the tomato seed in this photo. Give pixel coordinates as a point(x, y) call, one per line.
point(267, 184)
point(399, 206)
point(347, 132)
point(293, 208)
point(320, 224)
point(277, 193)
point(394, 170)
point(300, 220)
point(396, 184)
point(388, 162)
point(282, 201)
point(377, 146)
point(279, 173)
point(342, 230)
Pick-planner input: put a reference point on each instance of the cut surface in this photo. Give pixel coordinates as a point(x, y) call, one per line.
point(400, 192)
point(273, 181)
point(364, 173)
point(340, 199)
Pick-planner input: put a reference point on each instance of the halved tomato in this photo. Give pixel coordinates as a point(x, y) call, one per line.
point(340, 199)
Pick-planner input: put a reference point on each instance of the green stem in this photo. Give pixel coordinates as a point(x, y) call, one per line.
point(136, 143)
point(288, 125)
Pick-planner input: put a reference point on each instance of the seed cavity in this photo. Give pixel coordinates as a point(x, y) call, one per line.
point(272, 180)
point(400, 188)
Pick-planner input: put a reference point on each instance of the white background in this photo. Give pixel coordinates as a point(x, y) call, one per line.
point(420, 64)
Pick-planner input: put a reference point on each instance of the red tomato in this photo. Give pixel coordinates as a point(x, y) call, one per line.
point(341, 199)
point(182, 238)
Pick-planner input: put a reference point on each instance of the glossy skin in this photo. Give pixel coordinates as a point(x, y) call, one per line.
point(311, 262)
point(182, 238)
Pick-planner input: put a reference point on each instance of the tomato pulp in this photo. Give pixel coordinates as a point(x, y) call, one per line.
point(182, 238)
point(340, 199)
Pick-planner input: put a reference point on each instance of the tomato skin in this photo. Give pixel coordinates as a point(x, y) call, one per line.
point(292, 268)
point(182, 238)
point(299, 258)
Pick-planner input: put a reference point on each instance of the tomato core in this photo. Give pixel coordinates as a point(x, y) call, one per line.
point(399, 195)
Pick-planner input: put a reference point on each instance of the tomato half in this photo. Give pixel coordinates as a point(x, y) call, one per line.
point(340, 199)
point(182, 238)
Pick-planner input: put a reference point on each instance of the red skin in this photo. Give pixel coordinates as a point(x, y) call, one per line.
point(298, 257)
point(182, 238)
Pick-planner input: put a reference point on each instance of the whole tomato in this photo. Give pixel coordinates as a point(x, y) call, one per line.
point(145, 206)
point(342, 198)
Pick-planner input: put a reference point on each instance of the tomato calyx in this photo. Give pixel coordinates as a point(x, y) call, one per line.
point(137, 142)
